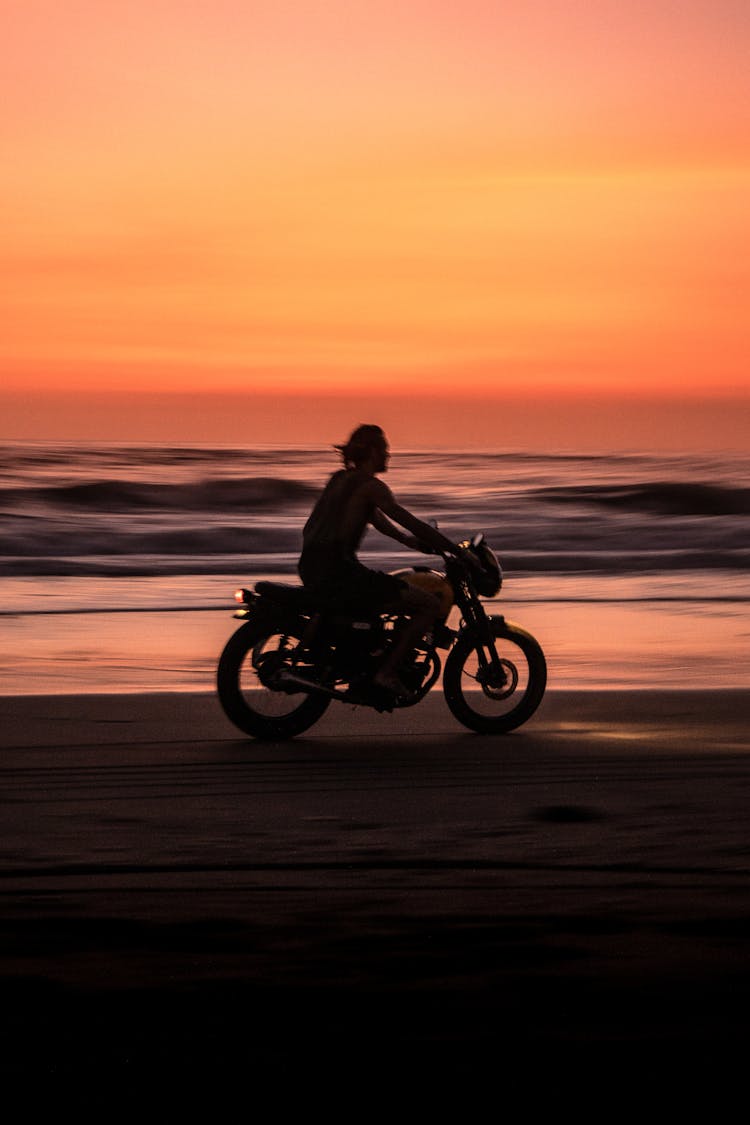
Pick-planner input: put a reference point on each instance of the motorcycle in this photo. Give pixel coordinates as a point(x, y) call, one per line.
point(291, 658)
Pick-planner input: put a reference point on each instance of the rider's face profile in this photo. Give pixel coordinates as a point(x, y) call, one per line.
point(382, 456)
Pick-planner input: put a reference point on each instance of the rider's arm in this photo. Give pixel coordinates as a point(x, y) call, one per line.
point(387, 527)
point(424, 534)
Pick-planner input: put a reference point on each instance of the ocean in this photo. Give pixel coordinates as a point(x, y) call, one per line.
point(119, 562)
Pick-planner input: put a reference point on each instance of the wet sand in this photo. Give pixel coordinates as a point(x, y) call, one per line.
point(389, 897)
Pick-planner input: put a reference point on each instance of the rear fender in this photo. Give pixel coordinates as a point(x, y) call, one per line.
point(264, 613)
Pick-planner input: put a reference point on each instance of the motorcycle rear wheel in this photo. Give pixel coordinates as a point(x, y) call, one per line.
point(252, 706)
point(492, 704)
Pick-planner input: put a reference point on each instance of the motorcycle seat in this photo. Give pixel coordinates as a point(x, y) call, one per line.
point(293, 597)
point(300, 600)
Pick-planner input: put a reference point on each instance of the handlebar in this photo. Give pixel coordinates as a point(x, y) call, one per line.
point(460, 553)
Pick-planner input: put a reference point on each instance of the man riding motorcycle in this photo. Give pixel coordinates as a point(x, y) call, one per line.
point(361, 637)
point(329, 568)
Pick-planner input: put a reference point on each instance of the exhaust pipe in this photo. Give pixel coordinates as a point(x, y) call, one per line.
point(284, 677)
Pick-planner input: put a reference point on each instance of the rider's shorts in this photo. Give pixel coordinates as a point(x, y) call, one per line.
point(348, 584)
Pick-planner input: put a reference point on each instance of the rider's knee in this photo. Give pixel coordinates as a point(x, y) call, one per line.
point(421, 603)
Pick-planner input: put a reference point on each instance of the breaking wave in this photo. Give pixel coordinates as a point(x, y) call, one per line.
point(127, 496)
point(675, 498)
point(173, 510)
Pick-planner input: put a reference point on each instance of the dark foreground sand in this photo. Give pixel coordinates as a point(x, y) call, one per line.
point(387, 899)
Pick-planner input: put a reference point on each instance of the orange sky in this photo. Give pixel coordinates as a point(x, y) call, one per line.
point(548, 198)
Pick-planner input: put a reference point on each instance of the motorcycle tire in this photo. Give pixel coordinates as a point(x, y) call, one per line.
point(252, 707)
point(495, 708)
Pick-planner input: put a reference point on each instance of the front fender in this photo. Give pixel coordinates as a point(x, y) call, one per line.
point(486, 627)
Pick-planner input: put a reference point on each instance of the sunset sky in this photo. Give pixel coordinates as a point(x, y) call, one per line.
point(527, 203)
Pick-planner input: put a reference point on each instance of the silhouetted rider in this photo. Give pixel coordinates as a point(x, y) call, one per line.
point(329, 567)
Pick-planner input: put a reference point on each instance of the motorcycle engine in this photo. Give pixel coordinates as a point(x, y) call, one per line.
point(355, 642)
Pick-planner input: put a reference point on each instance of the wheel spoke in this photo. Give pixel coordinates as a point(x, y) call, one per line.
point(499, 693)
point(257, 671)
point(245, 679)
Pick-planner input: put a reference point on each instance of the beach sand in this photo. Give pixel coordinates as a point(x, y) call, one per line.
point(385, 896)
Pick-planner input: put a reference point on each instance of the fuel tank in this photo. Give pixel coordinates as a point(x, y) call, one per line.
point(430, 580)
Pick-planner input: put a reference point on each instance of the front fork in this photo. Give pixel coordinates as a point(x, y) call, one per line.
point(491, 672)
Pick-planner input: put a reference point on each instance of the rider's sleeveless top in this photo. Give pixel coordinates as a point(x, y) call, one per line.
point(328, 565)
point(326, 528)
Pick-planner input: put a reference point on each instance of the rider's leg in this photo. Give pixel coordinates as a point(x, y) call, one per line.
point(423, 610)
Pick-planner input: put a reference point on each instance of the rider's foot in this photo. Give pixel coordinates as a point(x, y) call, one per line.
point(390, 682)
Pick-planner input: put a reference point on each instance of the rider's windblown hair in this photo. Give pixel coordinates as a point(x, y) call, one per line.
point(360, 445)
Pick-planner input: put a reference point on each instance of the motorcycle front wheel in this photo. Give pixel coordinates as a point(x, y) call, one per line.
point(243, 679)
point(493, 697)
